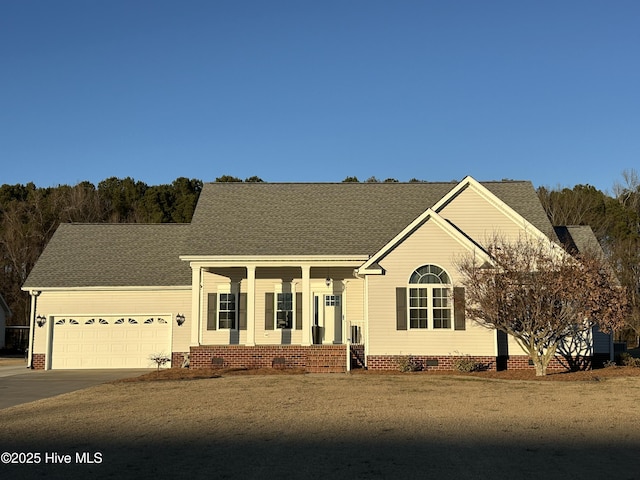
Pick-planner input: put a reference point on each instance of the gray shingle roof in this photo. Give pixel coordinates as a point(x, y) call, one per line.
point(325, 218)
point(579, 238)
point(252, 219)
point(109, 255)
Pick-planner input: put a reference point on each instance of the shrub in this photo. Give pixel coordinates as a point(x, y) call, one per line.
point(160, 359)
point(409, 364)
point(467, 364)
point(628, 361)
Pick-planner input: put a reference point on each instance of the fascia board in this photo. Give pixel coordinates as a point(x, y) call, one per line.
point(270, 261)
point(106, 288)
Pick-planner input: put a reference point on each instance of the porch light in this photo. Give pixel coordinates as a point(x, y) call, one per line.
point(180, 319)
point(327, 282)
point(41, 320)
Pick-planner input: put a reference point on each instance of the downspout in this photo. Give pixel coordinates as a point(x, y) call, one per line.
point(32, 324)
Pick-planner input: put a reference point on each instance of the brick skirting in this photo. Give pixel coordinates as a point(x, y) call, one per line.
point(177, 358)
point(313, 358)
point(558, 363)
point(445, 363)
point(426, 362)
point(38, 361)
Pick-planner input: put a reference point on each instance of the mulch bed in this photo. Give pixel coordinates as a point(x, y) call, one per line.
point(200, 373)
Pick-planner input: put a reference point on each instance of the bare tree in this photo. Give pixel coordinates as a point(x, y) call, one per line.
point(628, 191)
point(577, 206)
point(541, 296)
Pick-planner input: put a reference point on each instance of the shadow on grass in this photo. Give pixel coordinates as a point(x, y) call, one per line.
point(391, 456)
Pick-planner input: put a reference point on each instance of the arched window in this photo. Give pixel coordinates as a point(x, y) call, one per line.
point(430, 298)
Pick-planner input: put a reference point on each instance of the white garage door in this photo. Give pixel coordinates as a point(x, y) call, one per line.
point(108, 341)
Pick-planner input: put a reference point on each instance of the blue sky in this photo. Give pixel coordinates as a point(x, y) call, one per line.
point(547, 91)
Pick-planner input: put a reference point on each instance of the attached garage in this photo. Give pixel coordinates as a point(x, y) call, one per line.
point(108, 296)
point(109, 341)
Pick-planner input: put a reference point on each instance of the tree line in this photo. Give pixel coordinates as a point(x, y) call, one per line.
point(29, 215)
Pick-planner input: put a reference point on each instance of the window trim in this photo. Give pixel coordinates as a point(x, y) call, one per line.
point(291, 311)
point(429, 300)
point(224, 291)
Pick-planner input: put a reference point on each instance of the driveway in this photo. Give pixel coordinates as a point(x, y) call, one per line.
point(20, 385)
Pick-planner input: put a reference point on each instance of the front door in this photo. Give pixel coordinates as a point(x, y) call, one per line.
point(327, 314)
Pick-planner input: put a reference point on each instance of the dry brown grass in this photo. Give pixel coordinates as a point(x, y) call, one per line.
point(12, 361)
point(360, 425)
point(588, 375)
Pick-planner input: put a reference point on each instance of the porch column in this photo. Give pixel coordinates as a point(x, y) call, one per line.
point(251, 303)
point(196, 288)
point(306, 305)
point(32, 327)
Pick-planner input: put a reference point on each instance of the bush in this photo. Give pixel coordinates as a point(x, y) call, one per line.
point(628, 361)
point(160, 359)
point(409, 364)
point(467, 364)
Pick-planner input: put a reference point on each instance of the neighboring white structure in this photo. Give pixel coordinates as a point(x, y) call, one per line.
point(272, 274)
point(5, 313)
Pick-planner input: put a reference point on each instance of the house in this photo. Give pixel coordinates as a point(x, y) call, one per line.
point(320, 276)
point(5, 313)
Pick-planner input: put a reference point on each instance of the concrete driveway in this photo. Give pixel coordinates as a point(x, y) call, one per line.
point(19, 385)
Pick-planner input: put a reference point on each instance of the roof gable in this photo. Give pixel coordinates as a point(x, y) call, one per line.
point(372, 266)
point(289, 219)
point(533, 218)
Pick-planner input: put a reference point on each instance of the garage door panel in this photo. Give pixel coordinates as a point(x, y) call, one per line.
point(108, 342)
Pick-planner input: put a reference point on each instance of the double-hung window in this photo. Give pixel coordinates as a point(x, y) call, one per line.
point(227, 311)
point(284, 310)
point(430, 298)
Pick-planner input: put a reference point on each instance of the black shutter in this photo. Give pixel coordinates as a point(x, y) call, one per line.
point(401, 308)
point(212, 311)
point(268, 311)
point(459, 317)
point(242, 312)
point(299, 311)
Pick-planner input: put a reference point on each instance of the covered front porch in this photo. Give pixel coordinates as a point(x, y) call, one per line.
point(276, 312)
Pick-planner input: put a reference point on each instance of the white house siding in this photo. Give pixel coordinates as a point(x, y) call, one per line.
point(218, 281)
point(429, 244)
point(480, 219)
point(269, 280)
point(83, 303)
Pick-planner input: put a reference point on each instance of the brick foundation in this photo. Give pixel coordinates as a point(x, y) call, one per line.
point(425, 362)
point(38, 361)
point(313, 358)
point(445, 363)
point(558, 363)
point(177, 358)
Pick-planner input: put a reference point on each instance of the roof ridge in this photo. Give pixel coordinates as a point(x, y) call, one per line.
point(452, 182)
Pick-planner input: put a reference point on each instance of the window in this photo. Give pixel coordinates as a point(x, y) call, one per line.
point(284, 310)
point(332, 300)
point(227, 311)
point(430, 302)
